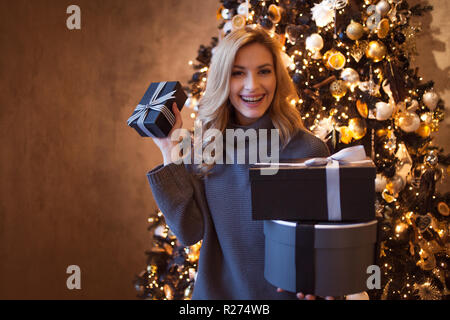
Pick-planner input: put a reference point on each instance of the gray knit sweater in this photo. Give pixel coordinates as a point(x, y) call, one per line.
point(217, 210)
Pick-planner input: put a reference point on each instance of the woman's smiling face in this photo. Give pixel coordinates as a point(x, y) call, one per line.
point(252, 83)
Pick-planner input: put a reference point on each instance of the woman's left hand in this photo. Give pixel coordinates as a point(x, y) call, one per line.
point(302, 296)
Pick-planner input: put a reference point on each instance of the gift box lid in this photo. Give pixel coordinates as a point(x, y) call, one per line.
point(326, 234)
point(168, 87)
point(293, 169)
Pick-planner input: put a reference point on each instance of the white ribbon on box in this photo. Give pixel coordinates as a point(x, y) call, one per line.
point(353, 155)
point(155, 103)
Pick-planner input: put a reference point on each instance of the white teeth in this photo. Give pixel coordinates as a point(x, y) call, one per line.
point(252, 99)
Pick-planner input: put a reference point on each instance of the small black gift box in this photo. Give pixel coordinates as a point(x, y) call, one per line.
point(324, 259)
point(300, 192)
point(153, 117)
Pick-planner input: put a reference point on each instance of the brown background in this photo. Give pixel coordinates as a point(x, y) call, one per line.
point(73, 186)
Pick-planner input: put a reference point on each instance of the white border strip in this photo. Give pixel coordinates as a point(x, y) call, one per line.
point(330, 226)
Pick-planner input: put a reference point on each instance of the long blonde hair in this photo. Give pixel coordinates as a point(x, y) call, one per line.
point(214, 106)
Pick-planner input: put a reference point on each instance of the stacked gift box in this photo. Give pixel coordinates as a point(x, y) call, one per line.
point(319, 222)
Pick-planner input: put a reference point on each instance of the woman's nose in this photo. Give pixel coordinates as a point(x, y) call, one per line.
point(251, 82)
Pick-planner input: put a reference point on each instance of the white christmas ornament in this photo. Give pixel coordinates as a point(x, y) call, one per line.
point(243, 9)
point(409, 121)
point(430, 99)
point(228, 26)
point(227, 14)
point(382, 7)
point(323, 13)
point(314, 42)
point(383, 110)
point(380, 182)
point(350, 76)
point(323, 128)
point(404, 165)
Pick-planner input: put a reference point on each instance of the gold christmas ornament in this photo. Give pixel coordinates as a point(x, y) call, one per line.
point(427, 117)
point(336, 61)
point(400, 228)
point(194, 252)
point(238, 22)
point(358, 128)
point(345, 135)
point(362, 108)
point(326, 56)
point(424, 130)
point(383, 28)
point(354, 30)
point(376, 51)
point(338, 89)
point(382, 132)
point(427, 291)
point(443, 209)
point(408, 121)
point(387, 197)
point(358, 50)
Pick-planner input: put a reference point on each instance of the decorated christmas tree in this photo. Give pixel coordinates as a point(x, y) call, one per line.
point(171, 268)
point(350, 61)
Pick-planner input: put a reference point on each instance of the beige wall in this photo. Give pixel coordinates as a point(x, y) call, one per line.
point(74, 189)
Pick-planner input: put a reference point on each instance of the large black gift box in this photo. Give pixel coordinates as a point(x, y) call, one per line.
point(300, 192)
point(324, 259)
point(157, 121)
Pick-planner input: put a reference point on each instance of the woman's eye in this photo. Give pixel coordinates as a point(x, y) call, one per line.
point(239, 73)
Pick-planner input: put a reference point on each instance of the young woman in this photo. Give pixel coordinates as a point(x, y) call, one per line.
point(248, 87)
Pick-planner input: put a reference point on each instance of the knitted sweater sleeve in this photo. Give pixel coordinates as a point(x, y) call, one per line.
point(180, 197)
point(305, 145)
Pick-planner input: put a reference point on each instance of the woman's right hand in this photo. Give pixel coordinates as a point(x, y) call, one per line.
point(166, 144)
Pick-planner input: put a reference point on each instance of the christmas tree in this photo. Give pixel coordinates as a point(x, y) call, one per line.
point(350, 61)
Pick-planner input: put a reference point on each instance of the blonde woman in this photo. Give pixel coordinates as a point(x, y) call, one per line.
point(248, 88)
